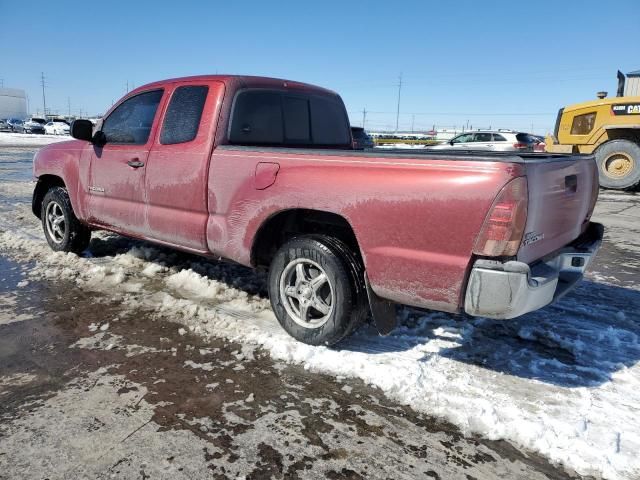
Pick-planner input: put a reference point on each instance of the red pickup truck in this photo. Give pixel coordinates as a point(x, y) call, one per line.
point(262, 172)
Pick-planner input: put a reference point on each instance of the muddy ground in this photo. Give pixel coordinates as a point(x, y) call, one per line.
point(88, 393)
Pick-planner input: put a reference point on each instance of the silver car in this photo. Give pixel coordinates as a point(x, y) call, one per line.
point(495, 141)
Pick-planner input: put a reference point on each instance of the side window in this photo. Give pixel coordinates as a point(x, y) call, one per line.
point(131, 121)
point(183, 115)
point(498, 138)
point(464, 138)
point(482, 137)
point(257, 119)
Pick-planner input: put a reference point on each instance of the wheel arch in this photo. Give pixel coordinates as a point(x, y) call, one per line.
point(286, 224)
point(617, 133)
point(45, 183)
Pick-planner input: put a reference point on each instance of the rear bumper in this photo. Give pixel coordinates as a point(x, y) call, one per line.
point(510, 289)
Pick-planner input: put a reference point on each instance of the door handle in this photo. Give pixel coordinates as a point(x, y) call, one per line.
point(135, 163)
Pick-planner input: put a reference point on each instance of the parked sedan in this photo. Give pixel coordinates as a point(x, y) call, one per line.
point(496, 141)
point(31, 126)
point(4, 126)
point(56, 128)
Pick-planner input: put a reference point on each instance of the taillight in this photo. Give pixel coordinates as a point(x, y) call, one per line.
point(504, 225)
point(520, 146)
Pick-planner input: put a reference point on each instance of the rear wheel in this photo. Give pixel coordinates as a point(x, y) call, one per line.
point(619, 164)
point(315, 290)
point(62, 229)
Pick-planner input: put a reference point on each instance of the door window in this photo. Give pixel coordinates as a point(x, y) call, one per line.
point(131, 121)
point(464, 138)
point(482, 137)
point(182, 120)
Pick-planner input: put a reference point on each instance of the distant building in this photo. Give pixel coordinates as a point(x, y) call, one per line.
point(13, 103)
point(632, 88)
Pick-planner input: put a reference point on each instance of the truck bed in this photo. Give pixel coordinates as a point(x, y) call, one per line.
point(466, 155)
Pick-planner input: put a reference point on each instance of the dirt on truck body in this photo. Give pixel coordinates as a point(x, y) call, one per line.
point(262, 172)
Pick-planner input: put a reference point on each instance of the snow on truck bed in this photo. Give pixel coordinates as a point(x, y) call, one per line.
point(564, 381)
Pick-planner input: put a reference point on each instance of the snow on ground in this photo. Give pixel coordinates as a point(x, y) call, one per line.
point(564, 381)
point(8, 139)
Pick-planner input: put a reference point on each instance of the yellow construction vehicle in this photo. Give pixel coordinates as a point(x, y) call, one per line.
point(608, 128)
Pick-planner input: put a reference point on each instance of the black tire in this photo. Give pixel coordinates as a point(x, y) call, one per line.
point(345, 279)
point(622, 153)
point(72, 236)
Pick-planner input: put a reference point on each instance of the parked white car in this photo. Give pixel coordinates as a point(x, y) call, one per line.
point(57, 128)
point(492, 140)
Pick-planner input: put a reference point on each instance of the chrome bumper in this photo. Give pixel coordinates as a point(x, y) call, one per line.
point(509, 289)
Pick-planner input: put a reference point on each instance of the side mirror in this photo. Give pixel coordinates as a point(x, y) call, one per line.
point(82, 130)
point(451, 142)
point(99, 139)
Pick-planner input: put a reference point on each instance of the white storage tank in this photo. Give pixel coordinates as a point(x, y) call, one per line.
point(13, 103)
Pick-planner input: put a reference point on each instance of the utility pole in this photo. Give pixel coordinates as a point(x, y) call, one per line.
point(127, 86)
point(413, 119)
point(364, 116)
point(398, 110)
point(69, 105)
point(27, 99)
point(44, 101)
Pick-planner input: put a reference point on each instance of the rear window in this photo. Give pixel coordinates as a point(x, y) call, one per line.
point(297, 127)
point(264, 117)
point(183, 116)
point(329, 122)
point(526, 138)
point(498, 138)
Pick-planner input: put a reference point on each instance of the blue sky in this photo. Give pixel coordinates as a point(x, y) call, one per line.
point(500, 64)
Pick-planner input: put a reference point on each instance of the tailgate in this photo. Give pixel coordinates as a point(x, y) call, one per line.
point(562, 194)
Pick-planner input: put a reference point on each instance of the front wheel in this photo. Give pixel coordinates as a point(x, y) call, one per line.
point(315, 289)
point(619, 164)
point(62, 229)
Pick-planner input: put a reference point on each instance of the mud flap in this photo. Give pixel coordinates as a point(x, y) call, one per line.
point(382, 311)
